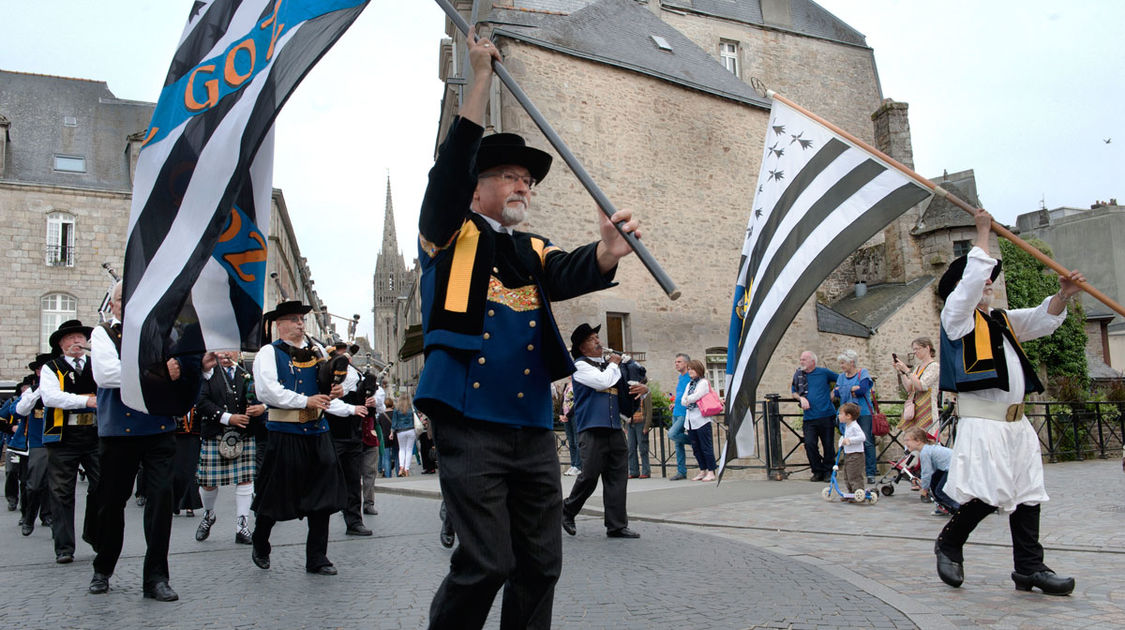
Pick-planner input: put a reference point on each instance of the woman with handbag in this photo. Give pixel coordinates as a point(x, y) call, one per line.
point(402, 422)
point(921, 385)
point(854, 386)
point(697, 425)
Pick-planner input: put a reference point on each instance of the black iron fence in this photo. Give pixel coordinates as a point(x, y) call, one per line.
point(1067, 431)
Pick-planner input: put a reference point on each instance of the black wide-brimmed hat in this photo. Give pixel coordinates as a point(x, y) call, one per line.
point(952, 276)
point(40, 359)
point(501, 149)
point(580, 335)
point(292, 307)
point(67, 327)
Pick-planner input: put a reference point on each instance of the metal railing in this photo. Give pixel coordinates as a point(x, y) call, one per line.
point(60, 256)
point(1067, 431)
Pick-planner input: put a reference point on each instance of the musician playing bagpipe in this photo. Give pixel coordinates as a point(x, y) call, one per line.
point(345, 432)
point(300, 475)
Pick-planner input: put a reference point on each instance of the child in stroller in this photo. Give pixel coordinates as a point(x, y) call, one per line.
point(907, 467)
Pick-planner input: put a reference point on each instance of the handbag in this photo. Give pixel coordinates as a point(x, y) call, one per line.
point(879, 424)
point(419, 428)
point(710, 405)
point(908, 409)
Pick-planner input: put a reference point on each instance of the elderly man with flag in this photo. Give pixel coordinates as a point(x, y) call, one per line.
point(997, 462)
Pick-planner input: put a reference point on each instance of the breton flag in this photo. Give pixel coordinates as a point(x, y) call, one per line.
point(195, 260)
point(820, 197)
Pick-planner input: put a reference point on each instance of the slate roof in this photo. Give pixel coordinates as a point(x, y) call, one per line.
point(808, 18)
point(618, 33)
point(36, 105)
point(861, 316)
point(940, 214)
point(1098, 370)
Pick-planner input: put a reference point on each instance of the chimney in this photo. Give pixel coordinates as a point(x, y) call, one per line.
point(892, 131)
point(901, 251)
point(4, 125)
point(133, 150)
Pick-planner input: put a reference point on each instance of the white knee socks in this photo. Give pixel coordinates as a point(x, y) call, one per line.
point(208, 497)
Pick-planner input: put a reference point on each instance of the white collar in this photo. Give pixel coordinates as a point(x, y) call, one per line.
point(495, 225)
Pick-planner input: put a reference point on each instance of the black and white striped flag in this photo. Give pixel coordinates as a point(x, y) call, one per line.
point(195, 260)
point(819, 198)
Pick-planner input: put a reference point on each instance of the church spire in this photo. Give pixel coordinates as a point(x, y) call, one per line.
point(390, 240)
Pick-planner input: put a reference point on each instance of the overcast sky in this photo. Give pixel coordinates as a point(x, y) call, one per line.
point(1024, 92)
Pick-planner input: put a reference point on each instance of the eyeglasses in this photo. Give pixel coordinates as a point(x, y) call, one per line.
point(512, 178)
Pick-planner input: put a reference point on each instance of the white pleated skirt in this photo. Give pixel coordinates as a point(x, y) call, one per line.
point(997, 462)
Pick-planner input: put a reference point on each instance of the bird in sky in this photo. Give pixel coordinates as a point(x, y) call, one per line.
point(1107, 140)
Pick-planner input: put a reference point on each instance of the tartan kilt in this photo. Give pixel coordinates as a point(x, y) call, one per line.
point(216, 471)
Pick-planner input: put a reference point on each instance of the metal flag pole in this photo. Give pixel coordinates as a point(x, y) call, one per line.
point(576, 167)
point(1000, 230)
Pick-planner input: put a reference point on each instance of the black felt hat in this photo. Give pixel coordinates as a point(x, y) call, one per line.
point(952, 276)
point(292, 307)
point(40, 359)
point(580, 335)
point(501, 149)
point(67, 327)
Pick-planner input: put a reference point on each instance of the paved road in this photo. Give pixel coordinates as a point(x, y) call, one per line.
point(748, 554)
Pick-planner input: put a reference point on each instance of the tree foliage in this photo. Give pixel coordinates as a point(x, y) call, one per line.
point(1028, 283)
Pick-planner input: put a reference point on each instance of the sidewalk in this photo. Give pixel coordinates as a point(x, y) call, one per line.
point(886, 549)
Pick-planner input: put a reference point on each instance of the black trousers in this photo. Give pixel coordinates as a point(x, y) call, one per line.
point(820, 430)
point(503, 496)
point(1027, 553)
point(185, 488)
point(425, 445)
point(34, 495)
point(350, 453)
point(316, 542)
point(120, 458)
point(605, 454)
point(11, 478)
point(79, 446)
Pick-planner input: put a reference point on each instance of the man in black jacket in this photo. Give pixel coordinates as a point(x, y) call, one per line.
point(227, 409)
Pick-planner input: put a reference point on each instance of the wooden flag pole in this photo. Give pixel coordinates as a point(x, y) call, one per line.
point(1000, 230)
point(607, 207)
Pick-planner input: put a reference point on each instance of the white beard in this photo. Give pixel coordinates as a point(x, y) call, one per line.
point(513, 214)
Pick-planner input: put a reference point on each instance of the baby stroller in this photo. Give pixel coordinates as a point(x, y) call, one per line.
point(859, 496)
point(907, 467)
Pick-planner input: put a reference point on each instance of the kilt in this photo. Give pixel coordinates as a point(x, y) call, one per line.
point(216, 471)
point(300, 475)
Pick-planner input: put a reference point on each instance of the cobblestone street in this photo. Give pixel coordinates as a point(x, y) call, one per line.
point(746, 554)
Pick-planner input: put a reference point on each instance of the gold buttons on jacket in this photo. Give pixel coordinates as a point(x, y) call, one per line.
point(531, 323)
point(495, 270)
point(491, 312)
point(487, 336)
point(162, 427)
point(476, 385)
point(519, 395)
point(530, 346)
point(127, 414)
point(526, 371)
point(481, 360)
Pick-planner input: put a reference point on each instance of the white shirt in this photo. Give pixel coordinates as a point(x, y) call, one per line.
point(957, 318)
point(591, 376)
point(106, 361)
point(496, 226)
point(351, 380)
point(695, 418)
point(855, 437)
point(52, 393)
point(27, 402)
point(270, 391)
point(380, 400)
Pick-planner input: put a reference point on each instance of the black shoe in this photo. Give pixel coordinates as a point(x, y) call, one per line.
point(204, 529)
point(99, 584)
point(262, 561)
point(950, 572)
point(568, 525)
point(370, 510)
point(358, 530)
point(64, 558)
point(624, 532)
point(140, 501)
point(447, 538)
point(27, 527)
point(677, 477)
point(1046, 581)
point(324, 570)
point(243, 536)
point(47, 521)
point(12, 505)
point(161, 592)
point(189, 513)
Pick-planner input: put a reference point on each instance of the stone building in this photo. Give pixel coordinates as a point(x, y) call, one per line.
point(654, 98)
point(68, 148)
point(396, 302)
point(1085, 238)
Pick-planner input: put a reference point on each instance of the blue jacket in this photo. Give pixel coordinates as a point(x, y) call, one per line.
point(490, 338)
point(678, 409)
point(402, 421)
point(976, 361)
point(301, 379)
point(593, 408)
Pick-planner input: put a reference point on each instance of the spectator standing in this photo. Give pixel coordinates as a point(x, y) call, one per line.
point(632, 414)
point(567, 418)
point(853, 385)
point(697, 425)
point(402, 422)
point(921, 383)
point(676, 434)
point(812, 389)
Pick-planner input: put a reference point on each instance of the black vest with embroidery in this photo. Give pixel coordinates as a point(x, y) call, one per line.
point(976, 361)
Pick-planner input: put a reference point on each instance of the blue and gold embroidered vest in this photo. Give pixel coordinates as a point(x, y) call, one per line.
point(976, 361)
point(595, 408)
point(296, 371)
